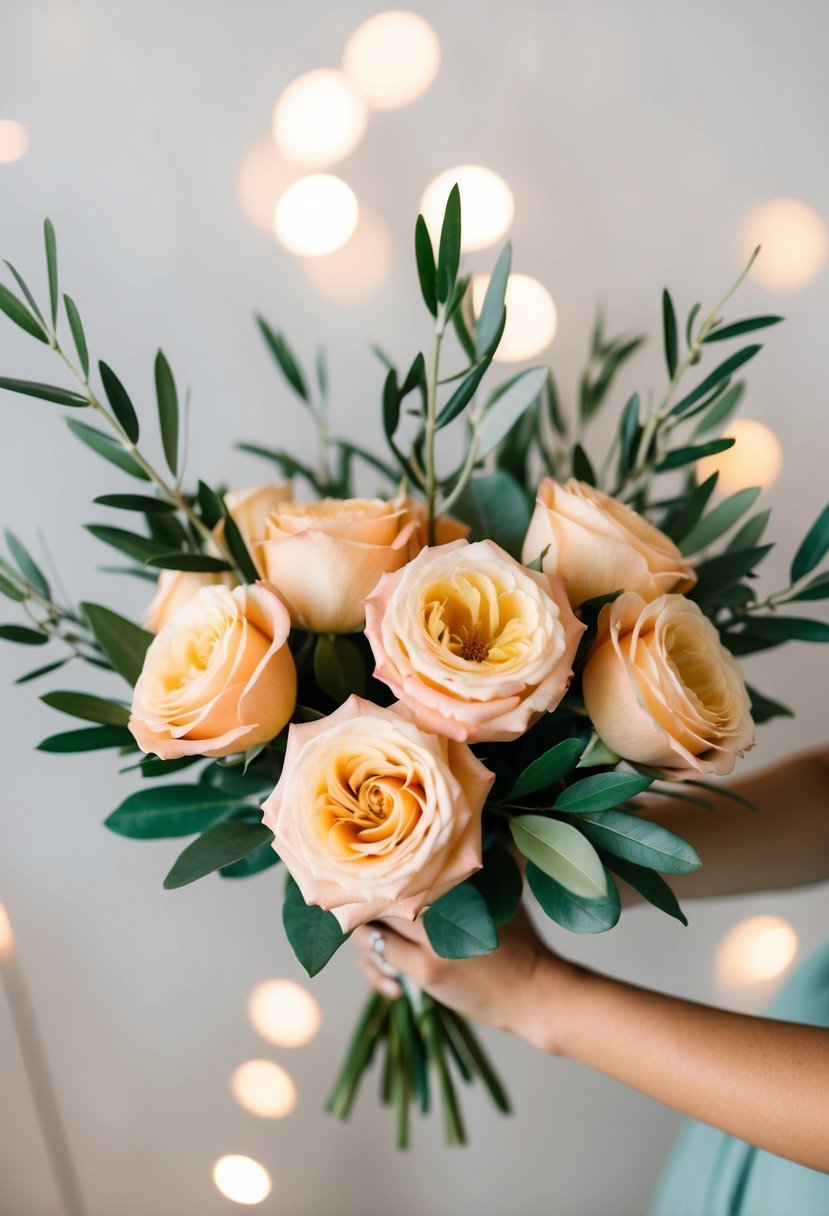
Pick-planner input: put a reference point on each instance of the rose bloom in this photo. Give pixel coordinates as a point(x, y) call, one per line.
point(219, 676)
point(476, 645)
point(662, 690)
point(249, 510)
point(325, 557)
point(373, 816)
point(600, 545)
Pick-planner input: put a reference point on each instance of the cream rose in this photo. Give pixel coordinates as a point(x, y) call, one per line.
point(374, 817)
point(662, 690)
point(249, 510)
point(218, 678)
point(325, 557)
point(600, 545)
point(477, 646)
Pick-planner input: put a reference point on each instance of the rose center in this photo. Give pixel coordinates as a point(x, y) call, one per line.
point(473, 647)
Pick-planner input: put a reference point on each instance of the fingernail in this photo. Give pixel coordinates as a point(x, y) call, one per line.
point(391, 989)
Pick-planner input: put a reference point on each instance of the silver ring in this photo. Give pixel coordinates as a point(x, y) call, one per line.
point(378, 945)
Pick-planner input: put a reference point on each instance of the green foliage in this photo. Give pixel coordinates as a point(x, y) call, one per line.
point(284, 358)
point(449, 249)
point(813, 547)
point(315, 935)
point(90, 708)
point(45, 392)
point(460, 925)
point(500, 884)
point(23, 636)
point(549, 768)
point(123, 642)
point(669, 333)
point(496, 508)
point(107, 447)
point(715, 378)
point(650, 885)
point(119, 401)
point(562, 852)
point(223, 844)
point(17, 312)
point(338, 667)
point(161, 811)
point(640, 841)
point(168, 410)
point(571, 910)
point(426, 272)
point(718, 521)
point(88, 739)
point(78, 335)
point(601, 792)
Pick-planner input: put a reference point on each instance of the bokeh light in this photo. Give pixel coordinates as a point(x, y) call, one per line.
point(357, 270)
point(261, 180)
point(755, 459)
point(316, 215)
point(795, 243)
point(319, 118)
point(284, 1013)
point(532, 319)
point(264, 1088)
point(758, 949)
point(392, 58)
point(6, 935)
point(487, 205)
point(242, 1179)
point(14, 140)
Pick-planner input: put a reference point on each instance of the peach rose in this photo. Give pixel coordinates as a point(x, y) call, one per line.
point(249, 510)
point(662, 690)
point(219, 676)
point(600, 545)
point(325, 557)
point(477, 646)
point(374, 817)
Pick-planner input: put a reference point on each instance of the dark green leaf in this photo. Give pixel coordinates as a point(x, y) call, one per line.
point(169, 810)
point(812, 548)
point(11, 590)
point(491, 320)
point(221, 845)
point(747, 536)
point(210, 505)
point(124, 643)
point(740, 327)
point(46, 670)
point(690, 455)
point(284, 357)
point(547, 769)
point(600, 792)
point(463, 394)
point(449, 251)
point(91, 709)
point(142, 548)
point(582, 468)
point(168, 411)
point(459, 924)
point(562, 851)
point(763, 708)
point(669, 332)
point(51, 266)
point(78, 335)
point(496, 508)
point(260, 859)
point(19, 313)
point(27, 565)
point(118, 398)
point(239, 550)
point(725, 369)
point(338, 667)
point(88, 739)
point(425, 257)
point(816, 589)
point(289, 465)
point(199, 563)
point(720, 409)
point(574, 912)
point(725, 570)
point(790, 628)
point(500, 884)
point(45, 392)
point(724, 516)
point(508, 406)
point(640, 841)
point(107, 447)
point(28, 295)
point(689, 325)
point(22, 635)
point(629, 433)
point(650, 885)
point(135, 502)
point(314, 934)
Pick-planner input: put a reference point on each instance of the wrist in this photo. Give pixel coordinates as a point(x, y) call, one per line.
point(556, 993)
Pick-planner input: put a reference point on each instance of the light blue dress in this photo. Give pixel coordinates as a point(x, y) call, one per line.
point(712, 1174)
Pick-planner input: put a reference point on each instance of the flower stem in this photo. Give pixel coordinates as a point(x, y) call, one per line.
point(431, 486)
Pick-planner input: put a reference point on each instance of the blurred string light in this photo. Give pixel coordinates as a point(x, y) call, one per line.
point(359, 268)
point(755, 459)
point(6, 935)
point(532, 319)
point(758, 949)
point(319, 118)
point(284, 1013)
point(316, 215)
point(487, 205)
point(14, 140)
point(264, 1088)
point(392, 58)
point(795, 243)
point(242, 1179)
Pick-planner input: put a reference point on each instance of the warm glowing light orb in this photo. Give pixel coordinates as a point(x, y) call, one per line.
point(532, 319)
point(284, 1013)
point(242, 1179)
point(14, 140)
point(755, 459)
point(359, 268)
point(264, 1088)
point(261, 180)
point(319, 118)
point(487, 205)
point(392, 58)
point(6, 935)
point(316, 215)
point(795, 243)
point(755, 951)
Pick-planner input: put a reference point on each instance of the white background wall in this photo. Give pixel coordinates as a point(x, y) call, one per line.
point(635, 136)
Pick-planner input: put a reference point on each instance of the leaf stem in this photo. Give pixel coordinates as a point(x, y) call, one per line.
point(431, 486)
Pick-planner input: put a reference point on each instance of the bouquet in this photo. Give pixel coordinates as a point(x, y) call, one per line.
point(416, 700)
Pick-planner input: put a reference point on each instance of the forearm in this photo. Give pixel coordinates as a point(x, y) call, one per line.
point(760, 1080)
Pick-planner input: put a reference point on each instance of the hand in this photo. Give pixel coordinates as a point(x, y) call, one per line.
point(508, 989)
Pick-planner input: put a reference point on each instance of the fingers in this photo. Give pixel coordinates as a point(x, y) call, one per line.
point(381, 983)
point(398, 952)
